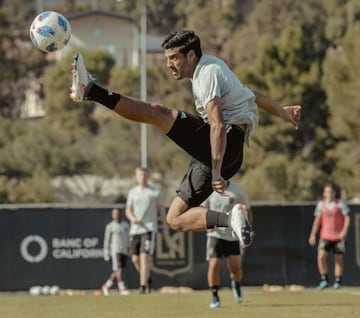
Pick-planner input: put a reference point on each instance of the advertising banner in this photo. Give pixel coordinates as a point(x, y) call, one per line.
point(63, 246)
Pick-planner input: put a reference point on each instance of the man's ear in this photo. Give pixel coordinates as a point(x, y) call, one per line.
point(191, 56)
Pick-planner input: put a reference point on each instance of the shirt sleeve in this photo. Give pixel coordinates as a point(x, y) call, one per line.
point(107, 240)
point(317, 211)
point(344, 207)
point(129, 200)
point(210, 85)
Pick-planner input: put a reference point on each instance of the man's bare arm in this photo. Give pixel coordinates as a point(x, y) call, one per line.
point(217, 142)
point(130, 215)
point(291, 114)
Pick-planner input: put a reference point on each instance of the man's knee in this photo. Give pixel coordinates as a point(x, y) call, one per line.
point(214, 264)
point(174, 216)
point(174, 222)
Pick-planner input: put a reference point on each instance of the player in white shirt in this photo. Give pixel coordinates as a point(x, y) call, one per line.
point(221, 243)
point(116, 247)
point(143, 206)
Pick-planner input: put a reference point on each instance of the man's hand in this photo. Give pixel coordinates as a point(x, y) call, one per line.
point(343, 235)
point(291, 114)
point(248, 234)
point(294, 115)
point(312, 240)
point(106, 257)
point(219, 184)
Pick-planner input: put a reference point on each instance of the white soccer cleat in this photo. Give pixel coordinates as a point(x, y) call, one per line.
point(82, 79)
point(240, 225)
point(215, 303)
point(105, 290)
point(124, 291)
point(237, 295)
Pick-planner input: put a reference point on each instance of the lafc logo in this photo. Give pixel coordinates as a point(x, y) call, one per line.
point(173, 255)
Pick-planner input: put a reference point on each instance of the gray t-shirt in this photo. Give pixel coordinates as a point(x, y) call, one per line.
point(144, 203)
point(213, 78)
point(224, 203)
point(116, 238)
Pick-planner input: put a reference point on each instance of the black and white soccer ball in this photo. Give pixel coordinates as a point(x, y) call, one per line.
point(50, 31)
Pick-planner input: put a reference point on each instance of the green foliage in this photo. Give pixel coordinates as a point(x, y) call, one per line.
point(34, 189)
point(341, 83)
point(296, 52)
point(16, 59)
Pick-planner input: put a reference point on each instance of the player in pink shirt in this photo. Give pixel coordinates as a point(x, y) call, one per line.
point(333, 220)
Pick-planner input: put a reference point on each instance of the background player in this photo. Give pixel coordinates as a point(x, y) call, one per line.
point(333, 220)
point(221, 243)
point(142, 208)
point(116, 246)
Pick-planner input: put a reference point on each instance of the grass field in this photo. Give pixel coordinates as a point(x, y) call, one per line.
point(308, 303)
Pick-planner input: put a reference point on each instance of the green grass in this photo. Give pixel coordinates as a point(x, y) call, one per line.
point(309, 303)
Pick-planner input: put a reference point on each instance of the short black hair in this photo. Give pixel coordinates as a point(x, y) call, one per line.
point(186, 40)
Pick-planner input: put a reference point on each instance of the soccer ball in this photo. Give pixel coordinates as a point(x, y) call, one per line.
point(50, 31)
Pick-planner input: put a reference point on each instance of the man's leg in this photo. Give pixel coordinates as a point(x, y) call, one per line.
point(183, 218)
point(145, 263)
point(121, 284)
point(322, 262)
point(136, 261)
point(108, 284)
point(110, 281)
point(213, 276)
point(236, 275)
point(139, 262)
point(338, 269)
point(84, 88)
point(214, 271)
point(323, 269)
point(147, 247)
point(185, 212)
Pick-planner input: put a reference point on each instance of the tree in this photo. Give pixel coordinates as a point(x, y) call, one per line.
point(287, 69)
point(342, 85)
point(18, 58)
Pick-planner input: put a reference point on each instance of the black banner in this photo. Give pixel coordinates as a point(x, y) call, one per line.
point(63, 246)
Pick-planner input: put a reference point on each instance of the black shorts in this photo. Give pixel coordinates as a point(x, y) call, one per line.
point(219, 248)
point(192, 134)
point(143, 243)
point(118, 261)
point(337, 247)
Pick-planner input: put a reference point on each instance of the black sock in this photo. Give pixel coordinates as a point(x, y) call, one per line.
point(324, 277)
point(214, 218)
point(338, 279)
point(235, 284)
point(103, 96)
point(214, 291)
